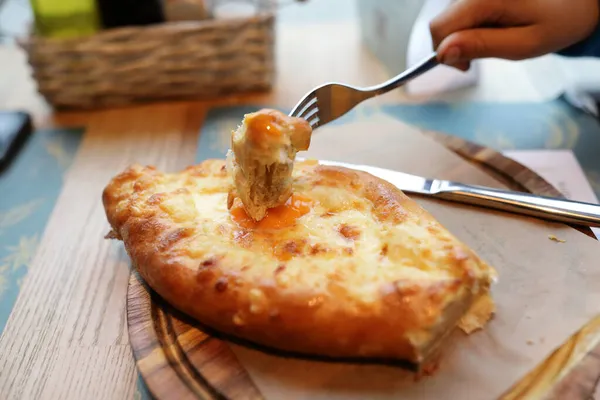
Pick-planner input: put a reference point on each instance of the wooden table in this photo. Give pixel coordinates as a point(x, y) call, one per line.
point(67, 335)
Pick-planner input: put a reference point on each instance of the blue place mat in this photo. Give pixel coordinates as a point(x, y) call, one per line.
point(29, 189)
point(501, 126)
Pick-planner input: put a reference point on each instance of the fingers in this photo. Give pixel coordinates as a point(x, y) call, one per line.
point(465, 14)
point(510, 29)
point(462, 65)
point(509, 43)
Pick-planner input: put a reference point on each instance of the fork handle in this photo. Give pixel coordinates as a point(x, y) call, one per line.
point(399, 80)
point(544, 207)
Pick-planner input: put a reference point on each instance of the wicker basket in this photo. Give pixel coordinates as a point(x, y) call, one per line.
point(168, 61)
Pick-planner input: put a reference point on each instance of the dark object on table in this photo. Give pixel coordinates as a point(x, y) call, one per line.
point(116, 13)
point(15, 128)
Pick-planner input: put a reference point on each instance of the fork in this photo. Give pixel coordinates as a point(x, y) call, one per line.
point(330, 101)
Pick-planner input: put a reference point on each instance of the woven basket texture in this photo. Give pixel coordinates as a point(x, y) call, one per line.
point(200, 59)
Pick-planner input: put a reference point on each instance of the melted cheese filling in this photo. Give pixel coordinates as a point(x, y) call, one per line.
point(322, 231)
point(278, 217)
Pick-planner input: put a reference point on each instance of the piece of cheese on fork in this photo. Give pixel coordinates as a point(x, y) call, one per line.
point(261, 159)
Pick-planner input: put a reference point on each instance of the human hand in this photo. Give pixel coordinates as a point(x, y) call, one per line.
point(510, 29)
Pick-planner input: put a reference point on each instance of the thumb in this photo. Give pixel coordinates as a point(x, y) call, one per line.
point(509, 43)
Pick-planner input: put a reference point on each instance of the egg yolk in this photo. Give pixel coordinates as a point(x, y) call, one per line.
point(261, 125)
point(278, 217)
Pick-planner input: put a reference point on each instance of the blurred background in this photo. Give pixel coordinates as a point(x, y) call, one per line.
point(379, 38)
point(62, 58)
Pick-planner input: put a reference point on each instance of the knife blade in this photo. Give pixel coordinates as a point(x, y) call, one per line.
point(403, 181)
point(543, 207)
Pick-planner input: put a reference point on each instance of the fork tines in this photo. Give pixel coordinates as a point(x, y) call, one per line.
point(308, 109)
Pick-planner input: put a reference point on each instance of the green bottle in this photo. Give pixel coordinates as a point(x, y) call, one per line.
point(65, 18)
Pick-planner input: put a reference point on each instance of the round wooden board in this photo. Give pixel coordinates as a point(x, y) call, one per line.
point(178, 360)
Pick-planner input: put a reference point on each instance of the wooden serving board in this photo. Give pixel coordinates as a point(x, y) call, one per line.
point(178, 360)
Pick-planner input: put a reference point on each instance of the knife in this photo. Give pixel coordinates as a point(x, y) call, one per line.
point(543, 207)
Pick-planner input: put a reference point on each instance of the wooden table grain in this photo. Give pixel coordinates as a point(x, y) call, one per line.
point(67, 335)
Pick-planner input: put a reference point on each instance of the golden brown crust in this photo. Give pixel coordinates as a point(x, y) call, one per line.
point(383, 279)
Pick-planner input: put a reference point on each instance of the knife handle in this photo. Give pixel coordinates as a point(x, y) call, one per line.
point(549, 208)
